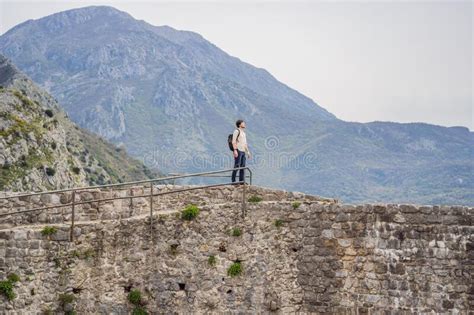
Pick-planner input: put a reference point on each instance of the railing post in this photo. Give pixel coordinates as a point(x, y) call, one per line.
point(244, 205)
point(151, 211)
point(73, 213)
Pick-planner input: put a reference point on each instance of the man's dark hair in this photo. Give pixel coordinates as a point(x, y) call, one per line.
point(238, 122)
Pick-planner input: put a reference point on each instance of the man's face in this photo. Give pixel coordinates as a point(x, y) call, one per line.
point(242, 125)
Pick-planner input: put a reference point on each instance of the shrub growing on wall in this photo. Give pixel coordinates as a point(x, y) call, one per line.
point(235, 269)
point(48, 230)
point(135, 298)
point(255, 199)
point(6, 286)
point(190, 212)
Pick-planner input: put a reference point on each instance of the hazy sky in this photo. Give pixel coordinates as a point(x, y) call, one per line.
point(400, 61)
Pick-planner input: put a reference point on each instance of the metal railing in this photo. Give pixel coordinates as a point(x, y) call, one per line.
point(152, 194)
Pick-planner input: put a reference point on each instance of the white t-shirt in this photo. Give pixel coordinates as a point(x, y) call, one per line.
point(241, 141)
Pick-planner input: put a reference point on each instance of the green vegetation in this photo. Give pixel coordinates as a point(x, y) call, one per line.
point(57, 262)
point(24, 99)
point(190, 212)
point(118, 165)
point(6, 286)
point(236, 232)
point(25, 116)
point(135, 297)
point(139, 311)
point(6, 289)
point(9, 173)
point(212, 260)
point(13, 277)
point(255, 199)
point(296, 204)
point(278, 222)
point(66, 299)
point(84, 254)
point(19, 126)
point(48, 230)
point(235, 269)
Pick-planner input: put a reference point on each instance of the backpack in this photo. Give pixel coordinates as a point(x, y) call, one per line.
point(229, 140)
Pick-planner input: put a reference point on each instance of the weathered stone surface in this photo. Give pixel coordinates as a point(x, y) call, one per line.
point(323, 258)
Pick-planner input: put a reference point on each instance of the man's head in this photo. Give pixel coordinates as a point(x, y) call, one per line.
point(240, 123)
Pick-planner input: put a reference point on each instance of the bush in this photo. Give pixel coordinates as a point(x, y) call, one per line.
point(236, 232)
point(190, 212)
point(50, 171)
point(278, 222)
point(235, 269)
point(135, 297)
point(76, 170)
point(255, 199)
point(49, 113)
point(48, 230)
point(296, 204)
point(212, 260)
point(6, 288)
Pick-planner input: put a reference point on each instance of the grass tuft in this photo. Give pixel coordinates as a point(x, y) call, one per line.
point(235, 269)
point(296, 204)
point(190, 212)
point(48, 230)
point(255, 199)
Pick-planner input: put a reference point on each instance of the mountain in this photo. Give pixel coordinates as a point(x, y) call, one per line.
point(171, 97)
point(40, 148)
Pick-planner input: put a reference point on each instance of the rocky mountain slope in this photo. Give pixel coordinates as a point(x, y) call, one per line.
point(172, 97)
point(40, 148)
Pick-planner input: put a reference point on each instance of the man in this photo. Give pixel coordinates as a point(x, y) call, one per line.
point(239, 142)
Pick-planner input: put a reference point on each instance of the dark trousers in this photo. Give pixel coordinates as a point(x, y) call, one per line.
point(239, 161)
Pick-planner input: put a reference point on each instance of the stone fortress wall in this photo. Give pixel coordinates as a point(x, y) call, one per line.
point(320, 256)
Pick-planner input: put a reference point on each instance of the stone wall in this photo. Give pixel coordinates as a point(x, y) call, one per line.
point(325, 257)
point(126, 207)
point(386, 257)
